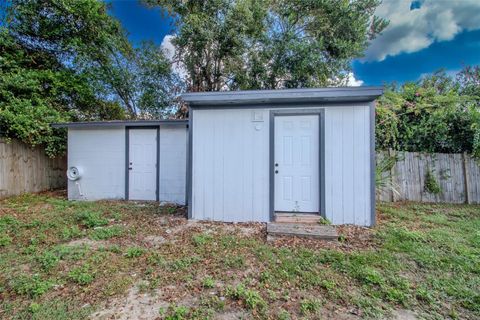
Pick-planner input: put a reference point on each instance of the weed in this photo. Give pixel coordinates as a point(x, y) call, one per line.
point(5, 240)
point(48, 260)
point(308, 306)
point(208, 282)
point(32, 286)
point(175, 312)
point(81, 275)
point(201, 239)
point(250, 297)
point(234, 261)
point(184, 263)
point(106, 233)
point(91, 219)
point(134, 252)
point(213, 302)
point(72, 232)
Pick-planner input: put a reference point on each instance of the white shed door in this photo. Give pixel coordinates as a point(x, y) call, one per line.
point(142, 180)
point(296, 163)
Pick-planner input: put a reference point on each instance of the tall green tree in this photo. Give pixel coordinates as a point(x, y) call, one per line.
point(70, 60)
point(268, 44)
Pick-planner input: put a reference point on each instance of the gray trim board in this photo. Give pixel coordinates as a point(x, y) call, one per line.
point(320, 112)
point(118, 123)
point(281, 105)
point(157, 191)
point(312, 95)
point(127, 159)
point(190, 165)
point(373, 217)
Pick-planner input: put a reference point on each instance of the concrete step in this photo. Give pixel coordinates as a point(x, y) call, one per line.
point(290, 217)
point(323, 232)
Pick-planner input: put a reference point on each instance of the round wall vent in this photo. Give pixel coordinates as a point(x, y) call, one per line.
point(74, 173)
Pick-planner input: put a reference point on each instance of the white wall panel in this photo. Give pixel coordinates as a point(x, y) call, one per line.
point(173, 164)
point(230, 174)
point(347, 165)
point(101, 155)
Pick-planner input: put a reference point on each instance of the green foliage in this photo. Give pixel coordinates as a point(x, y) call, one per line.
point(431, 183)
point(251, 298)
point(208, 282)
point(249, 44)
point(91, 219)
point(106, 233)
point(33, 286)
point(81, 275)
point(434, 114)
point(5, 240)
point(134, 252)
point(69, 60)
point(308, 306)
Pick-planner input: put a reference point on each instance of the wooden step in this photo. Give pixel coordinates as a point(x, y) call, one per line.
point(324, 232)
point(291, 217)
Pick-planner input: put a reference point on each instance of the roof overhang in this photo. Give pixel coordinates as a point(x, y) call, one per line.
point(119, 123)
point(283, 96)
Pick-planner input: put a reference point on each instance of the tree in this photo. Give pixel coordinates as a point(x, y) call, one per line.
point(68, 60)
point(83, 37)
point(431, 115)
point(268, 44)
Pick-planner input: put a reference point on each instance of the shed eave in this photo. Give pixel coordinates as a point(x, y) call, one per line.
point(118, 123)
point(313, 95)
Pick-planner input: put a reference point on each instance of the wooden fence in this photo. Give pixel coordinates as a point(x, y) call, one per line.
point(457, 175)
point(24, 169)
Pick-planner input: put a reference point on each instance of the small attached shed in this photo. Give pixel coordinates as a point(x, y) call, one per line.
point(254, 154)
point(132, 160)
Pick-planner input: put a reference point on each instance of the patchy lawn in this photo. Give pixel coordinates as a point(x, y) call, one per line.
point(71, 260)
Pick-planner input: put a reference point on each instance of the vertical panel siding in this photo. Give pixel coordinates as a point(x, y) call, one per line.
point(173, 164)
point(230, 166)
point(347, 165)
point(101, 155)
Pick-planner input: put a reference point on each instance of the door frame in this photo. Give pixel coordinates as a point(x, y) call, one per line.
point(321, 156)
point(127, 158)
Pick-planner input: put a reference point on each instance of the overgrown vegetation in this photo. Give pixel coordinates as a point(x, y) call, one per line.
point(200, 270)
point(439, 113)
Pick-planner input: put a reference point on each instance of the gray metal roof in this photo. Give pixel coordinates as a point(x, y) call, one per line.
point(249, 97)
point(119, 123)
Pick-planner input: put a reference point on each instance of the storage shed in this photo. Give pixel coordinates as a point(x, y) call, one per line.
point(254, 154)
point(132, 160)
point(242, 156)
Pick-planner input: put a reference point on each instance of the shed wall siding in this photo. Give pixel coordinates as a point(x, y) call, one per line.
point(230, 165)
point(347, 165)
point(101, 155)
point(173, 164)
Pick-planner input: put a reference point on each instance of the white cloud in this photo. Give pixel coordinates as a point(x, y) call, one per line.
point(414, 30)
point(352, 81)
point(169, 51)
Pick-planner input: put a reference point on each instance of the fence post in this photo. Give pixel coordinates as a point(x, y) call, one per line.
point(466, 174)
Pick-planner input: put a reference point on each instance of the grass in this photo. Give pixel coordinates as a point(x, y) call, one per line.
point(65, 260)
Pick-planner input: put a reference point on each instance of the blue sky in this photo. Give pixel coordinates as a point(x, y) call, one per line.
point(423, 36)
